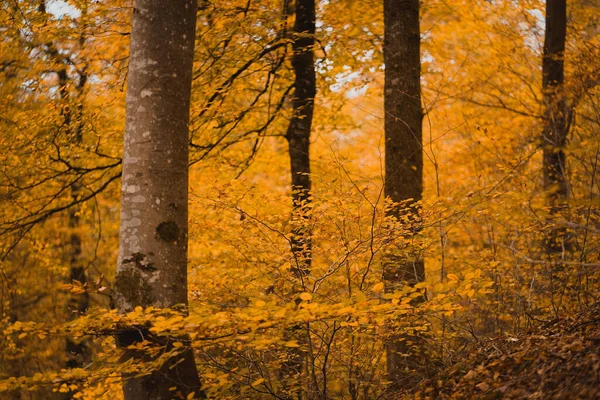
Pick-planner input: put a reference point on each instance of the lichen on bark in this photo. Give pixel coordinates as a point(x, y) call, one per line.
point(132, 287)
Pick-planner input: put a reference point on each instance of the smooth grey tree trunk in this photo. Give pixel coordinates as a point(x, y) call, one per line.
point(403, 158)
point(152, 266)
point(557, 116)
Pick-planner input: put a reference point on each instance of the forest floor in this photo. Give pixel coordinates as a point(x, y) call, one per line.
point(560, 359)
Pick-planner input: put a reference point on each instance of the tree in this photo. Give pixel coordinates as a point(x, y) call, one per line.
point(298, 131)
point(78, 352)
point(479, 225)
point(152, 266)
point(403, 147)
point(557, 116)
point(298, 138)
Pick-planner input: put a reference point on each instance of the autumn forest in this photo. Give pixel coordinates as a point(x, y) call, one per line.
point(299, 199)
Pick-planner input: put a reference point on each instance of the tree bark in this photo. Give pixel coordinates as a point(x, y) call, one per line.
point(298, 137)
point(298, 132)
point(152, 269)
point(78, 351)
point(403, 155)
point(557, 115)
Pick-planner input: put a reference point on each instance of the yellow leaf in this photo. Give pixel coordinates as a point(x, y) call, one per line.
point(260, 303)
point(258, 382)
point(305, 296)
point(453, 277)
point(378, 288)
point(360, 297)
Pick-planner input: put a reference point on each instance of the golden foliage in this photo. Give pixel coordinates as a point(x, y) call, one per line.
point(484, 214)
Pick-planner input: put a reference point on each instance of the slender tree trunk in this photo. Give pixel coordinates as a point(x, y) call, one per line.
point(152, 269)
point(557, 117)
point(298, 132)
point(78, 352)
point(403, 153)
point(298, 137)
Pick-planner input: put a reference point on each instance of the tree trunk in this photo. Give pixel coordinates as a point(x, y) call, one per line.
point(298, 132)
point(298, 136)
point(78, 352)
point(557, 118)
point(152, 269)
point(403, 153)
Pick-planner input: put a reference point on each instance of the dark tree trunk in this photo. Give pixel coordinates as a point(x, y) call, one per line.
point(152, 269)
point(78, 352)
point(298, 132)
point(403, 154)
point(298, 137)
point(557, 115)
